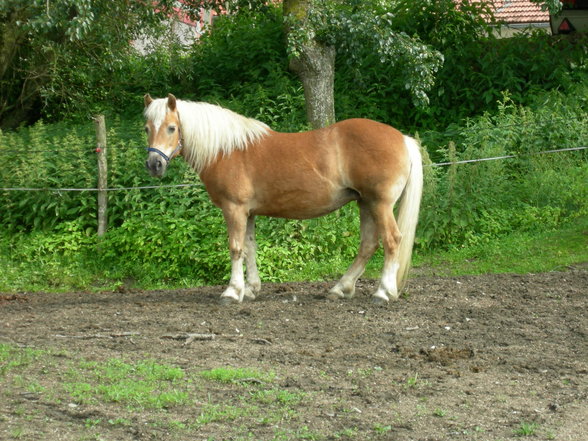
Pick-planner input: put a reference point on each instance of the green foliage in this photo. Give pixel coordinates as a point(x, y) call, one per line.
point(169, 247)
point(553, 6)
point(232, 375)
point(476, 202)
point(528, 63)
point(359, 27)
point(493, 97)
point(12, 358)
point(176, 236)
point(47, 157)
point(63, 156)
point(444, 24)
point(142, 385)
point(243, 64)
point(295, 243)
point(515, 252)
point(477, 69)
point(526, 429)
point(60, 56)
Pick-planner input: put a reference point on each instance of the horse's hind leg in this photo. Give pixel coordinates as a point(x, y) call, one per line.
point(253, 284)
point(236, 219)
point(345, 288)
point(391, 236)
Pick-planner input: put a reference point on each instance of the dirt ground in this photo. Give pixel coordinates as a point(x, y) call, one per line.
point(491, 357)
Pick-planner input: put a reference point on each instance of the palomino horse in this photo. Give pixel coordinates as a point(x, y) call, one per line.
point(249, 170)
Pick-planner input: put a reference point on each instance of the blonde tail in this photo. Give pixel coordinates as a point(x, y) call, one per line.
point(408, 210)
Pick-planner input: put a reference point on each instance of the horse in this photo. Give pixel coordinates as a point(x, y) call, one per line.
point(250, 170)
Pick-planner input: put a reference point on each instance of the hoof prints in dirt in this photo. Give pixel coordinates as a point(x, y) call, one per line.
point(491, 357)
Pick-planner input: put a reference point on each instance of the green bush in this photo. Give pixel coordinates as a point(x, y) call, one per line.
point(46, 157)
point(477, 69)
point(475, 202)
point(175, 235)
point(512, 105)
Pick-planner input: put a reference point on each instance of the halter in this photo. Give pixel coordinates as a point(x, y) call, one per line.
point(177, 149)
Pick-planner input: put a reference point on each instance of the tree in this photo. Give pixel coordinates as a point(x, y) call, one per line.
point(317, 27)
point(553, 6)
point(51, 50)
point(318, 30)
point(313, 61)
point(48, 47)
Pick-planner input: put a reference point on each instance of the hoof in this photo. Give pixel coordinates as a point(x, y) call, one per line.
point(249, 294)
point(226, 300)
point(339, 293)
point(379, 301)
point(335, 294)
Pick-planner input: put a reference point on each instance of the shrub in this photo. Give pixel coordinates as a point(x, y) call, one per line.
point(476, 202)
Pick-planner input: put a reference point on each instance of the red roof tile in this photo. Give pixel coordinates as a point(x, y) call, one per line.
point(519, 11)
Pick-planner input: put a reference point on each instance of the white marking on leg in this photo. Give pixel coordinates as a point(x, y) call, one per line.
point(387, 290)
point(236, 226)
point(236, 288)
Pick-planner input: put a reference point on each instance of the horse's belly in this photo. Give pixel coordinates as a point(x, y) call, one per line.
point(298, 204)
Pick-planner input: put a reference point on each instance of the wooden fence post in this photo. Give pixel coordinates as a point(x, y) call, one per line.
point(102, 174)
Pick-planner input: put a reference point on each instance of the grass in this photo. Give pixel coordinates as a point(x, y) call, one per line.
point(526, 429)
point(142, 385)
point(236, 375)
point(167, 395)
point(438, 412)
point(13, 358)
point(525, 252)
point(516, 253)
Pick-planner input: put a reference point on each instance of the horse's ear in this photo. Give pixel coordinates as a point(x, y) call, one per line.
point(147, 100)
point(171, 102)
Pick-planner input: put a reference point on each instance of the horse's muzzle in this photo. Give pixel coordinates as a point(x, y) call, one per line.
point(156, 165)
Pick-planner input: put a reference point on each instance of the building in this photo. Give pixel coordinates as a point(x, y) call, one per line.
point(520, 15)
point(523, 15)
point(182, 30)
point(572, 18)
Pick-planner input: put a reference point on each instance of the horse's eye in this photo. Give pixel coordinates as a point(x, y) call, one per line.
point(146, 129)
point(171, 129)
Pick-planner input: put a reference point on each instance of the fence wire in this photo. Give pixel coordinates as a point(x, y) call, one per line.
point(147, 187)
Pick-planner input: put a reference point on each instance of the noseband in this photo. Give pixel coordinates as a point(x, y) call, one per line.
point(163, 155)
point(177, 149)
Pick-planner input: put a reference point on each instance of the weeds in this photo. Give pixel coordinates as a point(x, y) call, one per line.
point(145, 384)
point(126, 387)
point(13, 359)
point(237, 375)
point(381, 429)
point(526, 429)
point(49, 243)
point(439, 412)
point(414, 382)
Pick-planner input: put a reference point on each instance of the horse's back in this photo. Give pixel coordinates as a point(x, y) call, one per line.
point(308, 174)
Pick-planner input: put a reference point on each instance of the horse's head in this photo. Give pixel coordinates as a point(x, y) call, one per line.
point(163, 132)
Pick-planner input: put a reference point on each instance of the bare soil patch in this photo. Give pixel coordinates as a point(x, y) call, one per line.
point(491, 357)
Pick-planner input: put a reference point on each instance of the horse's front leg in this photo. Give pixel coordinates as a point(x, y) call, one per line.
point(253, 282)
point(236, 220)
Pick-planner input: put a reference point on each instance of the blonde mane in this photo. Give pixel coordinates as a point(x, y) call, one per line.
point(208, 130)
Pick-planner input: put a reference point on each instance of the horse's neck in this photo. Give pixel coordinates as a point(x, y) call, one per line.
point(211, 132)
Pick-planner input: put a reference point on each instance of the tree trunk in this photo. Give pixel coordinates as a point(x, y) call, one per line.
point(316, 68)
